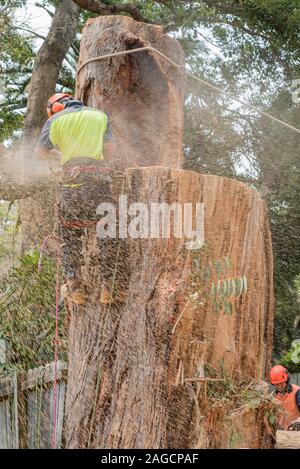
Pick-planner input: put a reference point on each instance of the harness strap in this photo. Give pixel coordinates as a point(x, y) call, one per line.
point(74, 185)
point(78, 223)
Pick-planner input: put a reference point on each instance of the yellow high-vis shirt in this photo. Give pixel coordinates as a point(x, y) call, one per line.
point(77, 131)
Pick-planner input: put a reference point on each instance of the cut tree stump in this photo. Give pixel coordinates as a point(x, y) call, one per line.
point(128, 363)
point(132, 365)
point(287, 440)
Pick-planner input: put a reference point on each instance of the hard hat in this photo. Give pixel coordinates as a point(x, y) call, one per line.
point(53, 104)
point(278, 375)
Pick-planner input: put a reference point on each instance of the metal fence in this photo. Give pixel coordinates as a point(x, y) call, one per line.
point(27, 408)
point(295, 378)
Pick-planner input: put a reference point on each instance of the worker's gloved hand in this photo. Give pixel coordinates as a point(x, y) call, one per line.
point(56, 172)
point(55, 168)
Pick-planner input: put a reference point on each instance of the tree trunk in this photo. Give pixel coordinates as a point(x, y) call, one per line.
point(48, 63)
point(142, 93)
point(133, 365)
point(130, 366)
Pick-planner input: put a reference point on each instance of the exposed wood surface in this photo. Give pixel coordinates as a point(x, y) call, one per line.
point(287, 440)
point(133, 351)
point(142, 93)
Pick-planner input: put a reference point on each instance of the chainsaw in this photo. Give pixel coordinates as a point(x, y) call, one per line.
point(295, 426)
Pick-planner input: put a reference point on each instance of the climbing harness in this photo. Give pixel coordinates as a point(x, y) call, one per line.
point(194, 77)
point(77, 223)
point(74, 171)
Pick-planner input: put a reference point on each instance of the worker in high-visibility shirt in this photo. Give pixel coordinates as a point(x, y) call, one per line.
point(287, 394)
point(84, 141)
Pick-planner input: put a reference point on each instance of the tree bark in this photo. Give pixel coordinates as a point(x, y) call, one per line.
point(142, 93)
point(132, 366)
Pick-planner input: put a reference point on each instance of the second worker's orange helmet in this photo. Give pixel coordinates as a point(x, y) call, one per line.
point(54, 105)
point(278, 375)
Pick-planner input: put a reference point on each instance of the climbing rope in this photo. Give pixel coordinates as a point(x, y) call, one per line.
point(194, 77)
point(56, 346)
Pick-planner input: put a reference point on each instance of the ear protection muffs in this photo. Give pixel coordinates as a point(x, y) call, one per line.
point(53, 104)
point(57, 107)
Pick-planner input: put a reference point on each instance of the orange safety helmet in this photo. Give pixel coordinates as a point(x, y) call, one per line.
point(278, 375)
point(53, 104)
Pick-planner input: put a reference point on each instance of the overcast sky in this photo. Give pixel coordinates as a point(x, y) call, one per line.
point(34, 18)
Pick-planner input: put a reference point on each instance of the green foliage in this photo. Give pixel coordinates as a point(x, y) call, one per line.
point(203, 287)
point(291, 360)
point(278, 157)
point(9, 224)
point(16, 60)
point(17, 54)
point(223, 291)
point(27, 313)
point(256, 58)
point(225, 397)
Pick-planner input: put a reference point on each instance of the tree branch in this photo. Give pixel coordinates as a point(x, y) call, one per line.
point(50, 13)
point(14, 106)
point(234, 8)
point(48, 64)
point(34, 33)
point(275, 52)
point(102, 9)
